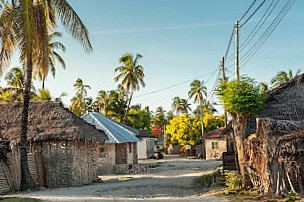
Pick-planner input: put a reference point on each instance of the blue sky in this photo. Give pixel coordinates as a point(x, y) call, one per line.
point(179, 40)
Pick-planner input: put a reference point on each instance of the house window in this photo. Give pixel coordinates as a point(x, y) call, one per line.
point(130, 147)
point(215, 145)
point(101, 150)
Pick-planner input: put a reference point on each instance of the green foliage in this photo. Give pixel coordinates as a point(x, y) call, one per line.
point(207, 180)
point(212, 122)
point(184, 130)
point(292, 196)
point(242, 97)
point(283, 77)
point(233, 181)
point(139, 119)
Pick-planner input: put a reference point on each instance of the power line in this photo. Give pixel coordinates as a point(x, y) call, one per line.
point(286, 10)
point(229, 44)
point(252, 14)
point(247, 11)
point(175, 85)
point(258, 25)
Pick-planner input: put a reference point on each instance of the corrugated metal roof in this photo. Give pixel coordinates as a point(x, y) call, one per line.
point(115, 132)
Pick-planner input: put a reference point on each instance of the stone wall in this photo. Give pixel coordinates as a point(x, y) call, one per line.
point(215, 148)
point(106, 153)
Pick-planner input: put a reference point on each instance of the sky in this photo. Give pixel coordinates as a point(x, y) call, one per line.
point(180, 40)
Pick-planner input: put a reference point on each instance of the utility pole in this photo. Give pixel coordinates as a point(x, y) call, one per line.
point(237, 69)
point(224, 79)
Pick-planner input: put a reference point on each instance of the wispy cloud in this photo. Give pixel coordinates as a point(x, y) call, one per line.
point(154, 29)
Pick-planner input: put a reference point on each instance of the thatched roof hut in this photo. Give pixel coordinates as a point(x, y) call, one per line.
point(47, 121)
point(283, 103)
point(63, 149)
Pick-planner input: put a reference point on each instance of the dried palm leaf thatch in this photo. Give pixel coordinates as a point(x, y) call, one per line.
point(47, 121)
point(276, 157)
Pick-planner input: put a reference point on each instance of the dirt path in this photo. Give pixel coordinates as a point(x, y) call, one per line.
point(171, 180)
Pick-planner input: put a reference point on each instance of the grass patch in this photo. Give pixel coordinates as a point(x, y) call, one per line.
point(156, 165)
point(215, 179)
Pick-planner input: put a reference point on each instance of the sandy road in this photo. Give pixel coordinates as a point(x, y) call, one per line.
point(171, 180)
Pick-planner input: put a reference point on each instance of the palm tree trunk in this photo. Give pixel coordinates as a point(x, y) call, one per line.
point(43, 83)
point(125, 118)
point(27, 182)
point(202, 112)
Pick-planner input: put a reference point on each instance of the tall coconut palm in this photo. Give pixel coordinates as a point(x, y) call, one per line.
point(184, 106)
point(43, 70)
point(198, 90)
point(102, 102)
point(283, 77)
point(176, 105)
point(24, 26)
point(81, 90)
point(131, 74)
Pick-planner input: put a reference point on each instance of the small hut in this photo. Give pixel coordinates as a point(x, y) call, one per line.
point(276, 157)
point(120, 150)
point(215, 143)
point(283, 103)
point(62, 148)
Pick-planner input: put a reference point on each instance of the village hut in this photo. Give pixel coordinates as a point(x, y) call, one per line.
point(283, 103)
point(120, 150)
point(62, 148)
point(146, 146)
point(276, 157)
point(213, 143)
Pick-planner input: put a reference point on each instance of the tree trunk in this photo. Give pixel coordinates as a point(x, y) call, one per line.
point(43, 83)
point(27, 182)
point(125, 118)
point(239, 124)
point(202, 111)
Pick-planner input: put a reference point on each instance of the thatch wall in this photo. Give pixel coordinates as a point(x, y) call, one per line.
point(283, 103)
point(276, 157)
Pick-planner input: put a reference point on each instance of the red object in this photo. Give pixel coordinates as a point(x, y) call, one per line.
point(156, 130)
point(217, 133)
point(182, 151)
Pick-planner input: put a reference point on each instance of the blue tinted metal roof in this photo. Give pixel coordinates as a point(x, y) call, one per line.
point(115, 132)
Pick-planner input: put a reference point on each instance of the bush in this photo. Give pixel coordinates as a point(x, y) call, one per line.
point(292, 196)
point(233, 181)
point(207, 180)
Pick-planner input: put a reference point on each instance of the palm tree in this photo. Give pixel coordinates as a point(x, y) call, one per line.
point(132, 76)
point(103, 101)
point(198, 90)
point(264, 87)
point(283, 77)
point(176, 105)
point(43, 94)
point(15, 82)
point(41, 67)
point(81, 90)
point(22, 30)
point(184, 106)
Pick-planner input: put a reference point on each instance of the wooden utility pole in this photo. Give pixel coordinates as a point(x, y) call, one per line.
point(224, 79)
point(237, 69)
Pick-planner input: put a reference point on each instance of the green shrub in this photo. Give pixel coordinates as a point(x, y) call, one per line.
point(233, 181)
point(292, 196)
point(207, 180)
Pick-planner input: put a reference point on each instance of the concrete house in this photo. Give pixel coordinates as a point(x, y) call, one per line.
point(62, 148)
point(119, 153)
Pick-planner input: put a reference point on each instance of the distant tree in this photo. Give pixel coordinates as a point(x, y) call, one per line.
point(283, 77)
point(176, 105)
point(169, 116)
point(263, 87)
point(43, 95)
point(102, 102)
point(81, 93)
point(241, 99)
point(139, 118)
point(42, 67)
point(183, 130)
point(185, 106)
point(132, 76)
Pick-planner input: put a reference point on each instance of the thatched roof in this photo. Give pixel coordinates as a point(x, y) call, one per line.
point(47, 121)
point(295, 81)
